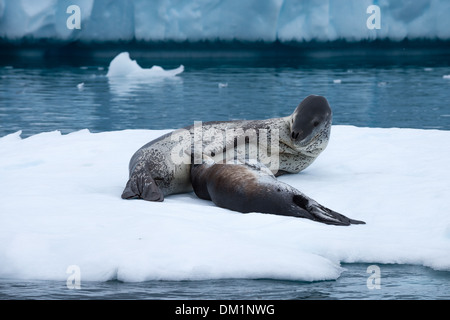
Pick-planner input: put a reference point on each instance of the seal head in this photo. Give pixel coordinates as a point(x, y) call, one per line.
point(311, 124)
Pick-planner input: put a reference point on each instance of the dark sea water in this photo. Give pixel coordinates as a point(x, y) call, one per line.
point(383, 89)
point(72, 94)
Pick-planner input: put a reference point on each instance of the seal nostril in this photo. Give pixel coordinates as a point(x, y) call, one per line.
point(293, 135)
point(296, 136)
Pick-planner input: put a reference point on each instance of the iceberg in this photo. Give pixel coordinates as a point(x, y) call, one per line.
point(60, 206)
point(123, 66)
point(211, 20)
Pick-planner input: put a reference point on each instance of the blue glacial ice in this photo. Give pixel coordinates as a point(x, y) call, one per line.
point(200, 20)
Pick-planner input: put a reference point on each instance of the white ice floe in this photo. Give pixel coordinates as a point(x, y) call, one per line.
point(60, 206)
point(251, 20)
point(123, 66)
point(125, 75)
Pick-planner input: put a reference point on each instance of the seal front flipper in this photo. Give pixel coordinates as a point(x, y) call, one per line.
point(142, 186)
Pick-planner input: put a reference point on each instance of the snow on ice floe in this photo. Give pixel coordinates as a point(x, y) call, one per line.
point(60, 206)
point(274, 20)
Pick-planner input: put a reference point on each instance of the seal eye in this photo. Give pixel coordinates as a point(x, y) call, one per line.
point(316, 123)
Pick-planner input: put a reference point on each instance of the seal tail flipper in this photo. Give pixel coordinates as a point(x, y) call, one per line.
point(321, 213)
point(142, 186)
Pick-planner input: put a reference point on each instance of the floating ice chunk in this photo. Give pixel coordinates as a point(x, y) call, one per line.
point(80, 86)
point(125, 75)
point(447, 76)
point(428, 69)
point(337, 81)
point(222, 85)
point(123, 66)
